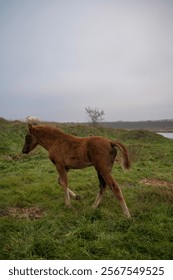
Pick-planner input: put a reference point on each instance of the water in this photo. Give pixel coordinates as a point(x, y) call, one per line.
point(167, 134)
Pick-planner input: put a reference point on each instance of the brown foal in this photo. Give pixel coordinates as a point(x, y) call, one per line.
point(70, 152)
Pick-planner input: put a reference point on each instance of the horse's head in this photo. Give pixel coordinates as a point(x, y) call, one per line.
point(30, 141)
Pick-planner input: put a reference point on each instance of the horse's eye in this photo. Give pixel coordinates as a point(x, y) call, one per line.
point(28, 139)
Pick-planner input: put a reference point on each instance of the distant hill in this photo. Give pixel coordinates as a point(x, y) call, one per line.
point(158, 125)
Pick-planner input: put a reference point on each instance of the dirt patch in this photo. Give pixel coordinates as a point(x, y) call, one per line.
point(163, 188)
point(24, 213)
point(156, 183)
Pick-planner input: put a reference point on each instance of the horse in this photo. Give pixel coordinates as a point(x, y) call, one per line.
point(67, 151)
point(32, 119)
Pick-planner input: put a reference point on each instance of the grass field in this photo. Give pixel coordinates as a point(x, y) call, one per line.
point(34, 223)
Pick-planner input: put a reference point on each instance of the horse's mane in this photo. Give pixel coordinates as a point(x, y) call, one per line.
point(52, 132)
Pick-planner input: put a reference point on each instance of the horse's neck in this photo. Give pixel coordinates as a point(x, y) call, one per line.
point(46, 138)
point(46, 142)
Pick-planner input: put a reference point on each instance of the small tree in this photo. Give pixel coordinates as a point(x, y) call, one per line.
point(95, 115)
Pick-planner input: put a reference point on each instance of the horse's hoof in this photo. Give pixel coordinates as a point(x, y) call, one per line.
point(78, 197)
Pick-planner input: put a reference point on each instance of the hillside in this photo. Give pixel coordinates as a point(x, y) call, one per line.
point(158, 125)
point(34, 224)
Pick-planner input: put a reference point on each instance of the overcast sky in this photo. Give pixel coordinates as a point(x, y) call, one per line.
point(59, 56)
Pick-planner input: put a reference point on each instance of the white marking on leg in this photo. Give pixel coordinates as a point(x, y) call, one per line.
point(97, 201)
point(72, 194)
point(99, 198)
point(63, 183)
point(125, 208)
point(67, 197)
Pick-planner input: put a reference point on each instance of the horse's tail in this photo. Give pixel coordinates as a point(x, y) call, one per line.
point(124, 152)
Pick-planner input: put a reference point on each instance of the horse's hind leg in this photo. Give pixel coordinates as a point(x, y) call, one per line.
point(99, 197)
point(117, 192)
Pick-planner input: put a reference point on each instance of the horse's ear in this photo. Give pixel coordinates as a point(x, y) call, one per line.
point(30, 127)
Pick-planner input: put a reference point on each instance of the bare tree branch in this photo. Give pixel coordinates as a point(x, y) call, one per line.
point(95, 115)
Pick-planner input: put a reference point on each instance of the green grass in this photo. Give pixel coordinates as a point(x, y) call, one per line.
point(34, 223)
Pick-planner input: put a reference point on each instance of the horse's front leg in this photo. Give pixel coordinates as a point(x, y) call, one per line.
point(75, 196)
point(63, 181)
point(71, 193)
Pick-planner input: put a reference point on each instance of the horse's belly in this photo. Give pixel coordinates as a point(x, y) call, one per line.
point(77, 163)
